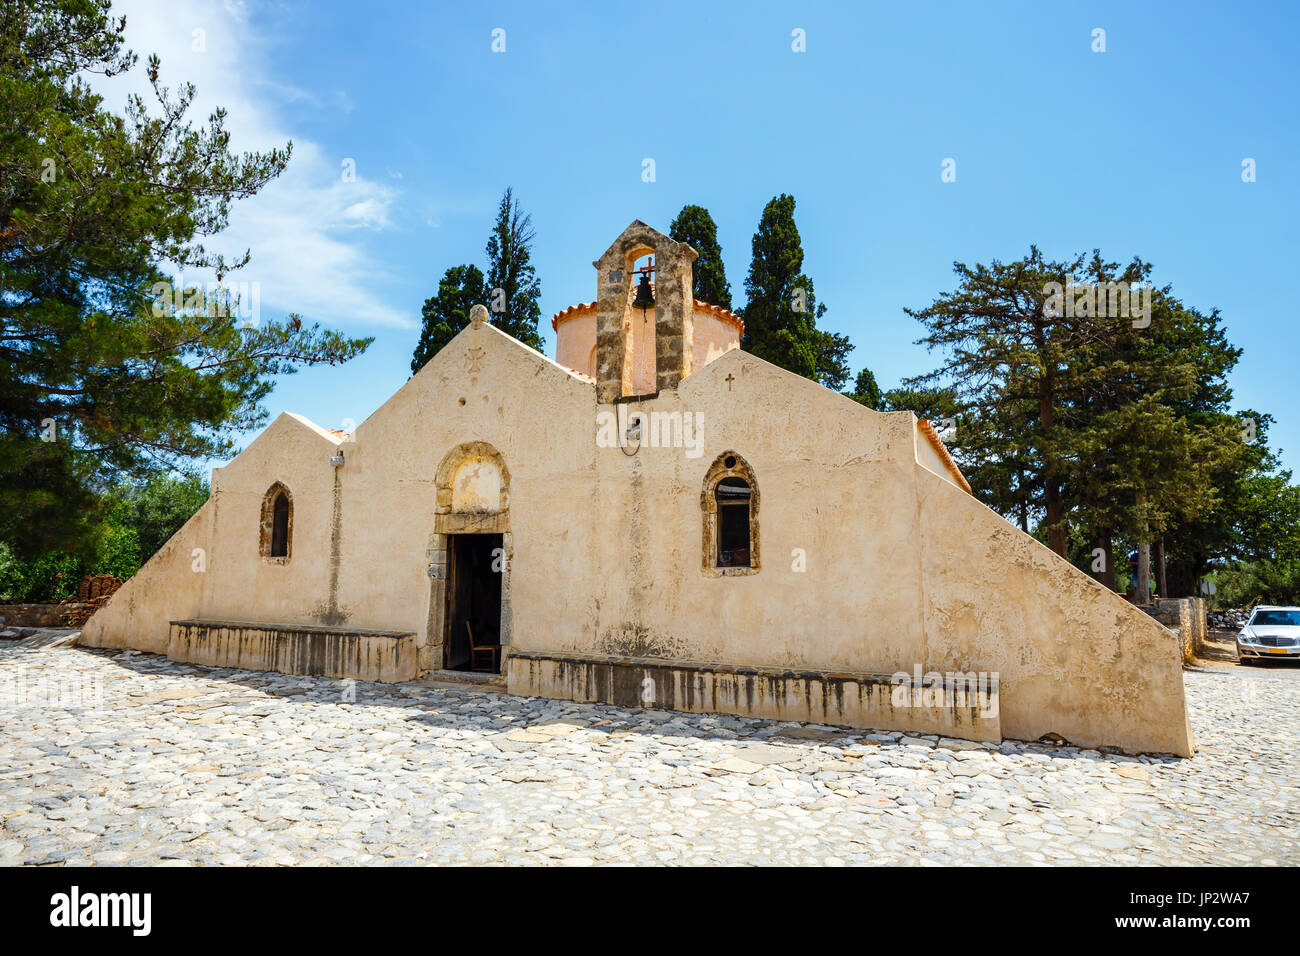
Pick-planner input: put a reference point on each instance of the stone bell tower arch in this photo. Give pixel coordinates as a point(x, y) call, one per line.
point(673, 311)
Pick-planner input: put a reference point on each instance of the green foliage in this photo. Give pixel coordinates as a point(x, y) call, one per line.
point(1249, 583)
point(696, 227)
point(156, 510)
point(1103, 427)
point(1154, 429)
point(117, 544)
point(46, 580)
point(929, 403)
point(511, 289)
point(516, 310)
point(781, 310)
point(866, 391)
point(11, 570)
point(1005, 360)
point(118, 378)
point(1075, 417)
point(138, 520)
point(447, 313)
point(831, 357)
point(1256, 515)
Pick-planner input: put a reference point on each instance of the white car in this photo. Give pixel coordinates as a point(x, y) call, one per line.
point(1272, 633)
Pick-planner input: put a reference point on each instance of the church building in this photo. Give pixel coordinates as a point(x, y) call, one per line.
point(656, 518)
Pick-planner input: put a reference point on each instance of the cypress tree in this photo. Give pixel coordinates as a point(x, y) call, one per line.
point(781, 312)
point(446, 313)
point(696, 227)
point(513, 289)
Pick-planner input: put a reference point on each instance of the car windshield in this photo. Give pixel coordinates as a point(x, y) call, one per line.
point(1276, 619)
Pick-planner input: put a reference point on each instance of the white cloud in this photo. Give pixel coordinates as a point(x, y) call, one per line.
point(369, 214)
point(306, 229)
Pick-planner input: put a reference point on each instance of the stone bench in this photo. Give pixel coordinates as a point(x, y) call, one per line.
point(965, 706)
point(316, 650)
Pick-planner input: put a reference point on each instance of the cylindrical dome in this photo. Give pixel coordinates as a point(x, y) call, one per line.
point(716, 331)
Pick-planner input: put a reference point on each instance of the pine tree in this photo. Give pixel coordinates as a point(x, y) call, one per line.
point(103, 372)
point(1092, 423)
point(1009, 360)
point(1160, 446)
point(929, 403)
point(696, 227)
point(511, 290)
point(1257, 514)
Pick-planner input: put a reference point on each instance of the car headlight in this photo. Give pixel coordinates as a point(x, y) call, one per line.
point(1245, 638)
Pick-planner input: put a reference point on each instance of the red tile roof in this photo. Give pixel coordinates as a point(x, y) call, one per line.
point(936, 443)
point(582, 308)
point(587, 308)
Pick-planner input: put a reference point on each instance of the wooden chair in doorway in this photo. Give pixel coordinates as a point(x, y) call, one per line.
point(492, 651)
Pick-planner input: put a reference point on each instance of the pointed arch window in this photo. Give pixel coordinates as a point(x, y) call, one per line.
point(276, 537)
point(280, 526)
point(733, 499)
point(729, 502)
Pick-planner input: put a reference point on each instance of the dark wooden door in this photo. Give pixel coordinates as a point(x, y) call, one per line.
point(473, 595)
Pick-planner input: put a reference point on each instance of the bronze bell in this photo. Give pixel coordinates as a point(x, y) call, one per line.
point(645, 297)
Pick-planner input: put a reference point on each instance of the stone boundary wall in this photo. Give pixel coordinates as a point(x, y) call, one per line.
point(1187, 617)
point(69, 614)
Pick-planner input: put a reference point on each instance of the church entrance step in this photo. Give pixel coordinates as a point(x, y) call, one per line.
point(480, 681)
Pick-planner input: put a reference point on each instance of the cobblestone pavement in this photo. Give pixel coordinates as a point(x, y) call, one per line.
point(187, 765)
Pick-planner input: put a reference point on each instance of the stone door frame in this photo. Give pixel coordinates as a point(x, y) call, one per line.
point(447, 522)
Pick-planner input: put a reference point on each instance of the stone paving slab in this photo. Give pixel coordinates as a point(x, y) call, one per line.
point(122, 758)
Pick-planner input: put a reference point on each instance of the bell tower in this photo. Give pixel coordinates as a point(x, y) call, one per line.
point(673, 311)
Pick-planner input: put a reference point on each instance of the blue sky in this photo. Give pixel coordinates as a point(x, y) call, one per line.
point(1137, 150)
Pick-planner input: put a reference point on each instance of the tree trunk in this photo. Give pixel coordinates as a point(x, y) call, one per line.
point(1160, 568)
point(1107, 574)
point(1024, 505)
point(1142, 593)
point(1185, 574)
point(1053, 505)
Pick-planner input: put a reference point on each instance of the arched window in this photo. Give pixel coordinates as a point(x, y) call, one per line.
point(729, 502)
point(280, 526)
point(276, 537)
point(732, 495)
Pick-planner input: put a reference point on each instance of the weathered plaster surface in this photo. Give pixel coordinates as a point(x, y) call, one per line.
point(872, 562)
point(575, 343)
point(852, 700)
point(323, 651)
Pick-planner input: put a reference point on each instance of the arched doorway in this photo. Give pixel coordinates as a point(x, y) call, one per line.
point(469, 601)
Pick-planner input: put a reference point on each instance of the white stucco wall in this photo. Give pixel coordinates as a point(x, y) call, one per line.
point(902, 567)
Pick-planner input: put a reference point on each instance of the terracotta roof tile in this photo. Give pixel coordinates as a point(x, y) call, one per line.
point(936, 443)
point(582, 308)
point(724, 314)
point(586, 308)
